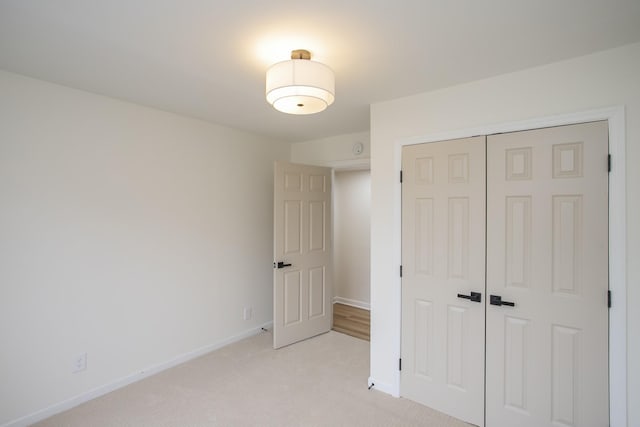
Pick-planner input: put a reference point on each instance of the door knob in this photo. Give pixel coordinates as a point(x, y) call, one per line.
point(474, 296)
point(497, 300)
point(281, 264)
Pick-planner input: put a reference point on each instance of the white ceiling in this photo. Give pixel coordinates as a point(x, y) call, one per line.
point(207, 58)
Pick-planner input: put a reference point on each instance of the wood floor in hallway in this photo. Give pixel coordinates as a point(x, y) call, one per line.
point(351, 321)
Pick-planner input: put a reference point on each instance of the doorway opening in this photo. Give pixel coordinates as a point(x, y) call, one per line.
point(351, 243)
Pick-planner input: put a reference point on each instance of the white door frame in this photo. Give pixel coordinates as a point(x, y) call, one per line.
point(617, 235)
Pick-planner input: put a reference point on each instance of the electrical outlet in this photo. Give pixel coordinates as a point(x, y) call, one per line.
point(247, 313)
point(79, 363)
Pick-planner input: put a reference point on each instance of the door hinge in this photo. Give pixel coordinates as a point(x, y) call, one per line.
point(400, 271)
point(400, 177)
point(399, 364)
point(609, 299)
point(609, 162)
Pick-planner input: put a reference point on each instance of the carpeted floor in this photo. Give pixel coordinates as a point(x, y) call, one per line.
point(318, 382)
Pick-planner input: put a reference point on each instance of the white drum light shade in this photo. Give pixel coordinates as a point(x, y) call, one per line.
point(300, 86)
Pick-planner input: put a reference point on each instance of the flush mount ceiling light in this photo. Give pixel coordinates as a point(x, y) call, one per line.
point(300, 86)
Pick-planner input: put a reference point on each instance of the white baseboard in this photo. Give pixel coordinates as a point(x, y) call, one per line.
point(383, 387)
point(352, 302)
point(129, 379)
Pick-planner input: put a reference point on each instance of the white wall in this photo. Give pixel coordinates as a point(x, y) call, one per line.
point(610, 78)
point(132, 234)
point(334, 152)
point(351, 231)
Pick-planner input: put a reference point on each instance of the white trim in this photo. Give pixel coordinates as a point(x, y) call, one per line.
point(384, 387)
point(348, 165)
point(129, 379)
point(617, 235)
point(617, 271)
point(352, 302)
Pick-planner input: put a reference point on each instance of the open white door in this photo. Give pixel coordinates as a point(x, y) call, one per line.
point(302, 285)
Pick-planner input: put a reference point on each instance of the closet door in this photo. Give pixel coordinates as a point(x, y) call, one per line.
point(443, 253)
point(547, 254)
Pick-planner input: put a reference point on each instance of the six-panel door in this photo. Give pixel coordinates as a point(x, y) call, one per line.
point(547, 252)
point(443, 205)
point(302, 225)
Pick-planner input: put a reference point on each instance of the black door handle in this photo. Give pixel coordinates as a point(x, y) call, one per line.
point(497, 300)
point(475, 296)
point(281, 264)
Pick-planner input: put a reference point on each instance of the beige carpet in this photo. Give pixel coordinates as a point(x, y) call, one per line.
point(318, 382)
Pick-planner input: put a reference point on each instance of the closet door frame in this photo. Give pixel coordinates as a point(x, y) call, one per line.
point(617, 234)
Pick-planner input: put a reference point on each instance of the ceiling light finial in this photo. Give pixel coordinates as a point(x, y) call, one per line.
point(300, 54)
point(300, 86)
